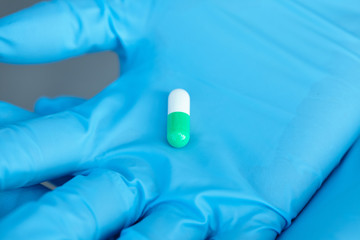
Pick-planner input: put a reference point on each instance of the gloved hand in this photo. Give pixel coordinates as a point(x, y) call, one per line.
point(13, 198)
point(274, 93)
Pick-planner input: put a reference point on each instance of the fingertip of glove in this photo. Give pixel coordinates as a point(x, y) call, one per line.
point(46, 105)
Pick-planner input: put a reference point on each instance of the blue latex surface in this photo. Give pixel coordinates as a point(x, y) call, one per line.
point(334, 212)
point(274, 89)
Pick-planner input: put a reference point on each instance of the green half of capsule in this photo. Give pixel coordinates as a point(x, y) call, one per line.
point(178, 129)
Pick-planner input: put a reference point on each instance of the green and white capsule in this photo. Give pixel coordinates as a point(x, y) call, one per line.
point(178, 120)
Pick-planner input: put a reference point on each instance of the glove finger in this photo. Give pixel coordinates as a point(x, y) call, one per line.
point(32, 151)
point(55, 145)
point(168, 221)
point(12, 199)
point(55, 30)
point(10, 113)
point(90, 206)
point(41, 148)
point(47, 106)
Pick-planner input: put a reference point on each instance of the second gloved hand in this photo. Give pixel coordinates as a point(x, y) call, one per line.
point(13, 198)
point(274, 108)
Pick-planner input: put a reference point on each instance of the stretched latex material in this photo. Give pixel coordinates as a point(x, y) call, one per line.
point(275, 92)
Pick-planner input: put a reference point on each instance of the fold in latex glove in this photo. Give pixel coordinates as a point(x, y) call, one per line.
point(274, 88)
point(334, 211)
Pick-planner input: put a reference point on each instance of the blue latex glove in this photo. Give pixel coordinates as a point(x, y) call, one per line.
point(274, 88)
point(11, 199)
point(9, 114)
point(334, 212)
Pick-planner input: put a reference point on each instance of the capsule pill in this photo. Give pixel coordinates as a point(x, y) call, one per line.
point(178, 119)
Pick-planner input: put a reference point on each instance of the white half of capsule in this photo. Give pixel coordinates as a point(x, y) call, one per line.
point(179, 101)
